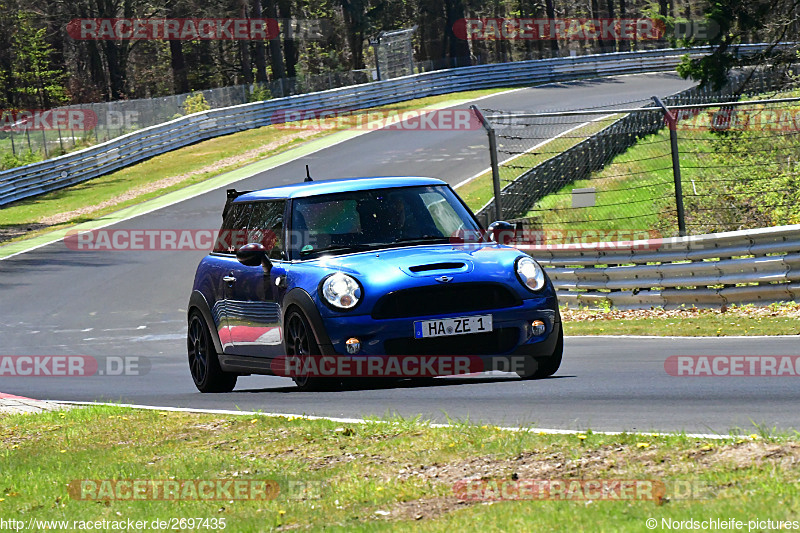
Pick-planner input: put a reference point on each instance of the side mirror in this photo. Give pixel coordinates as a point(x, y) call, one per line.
point(501, 232)
point(254, 254)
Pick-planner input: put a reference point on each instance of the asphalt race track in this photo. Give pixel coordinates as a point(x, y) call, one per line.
point(57, 301)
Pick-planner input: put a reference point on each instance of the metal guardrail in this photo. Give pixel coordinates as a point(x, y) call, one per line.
point(37, 178)
point(749, 266)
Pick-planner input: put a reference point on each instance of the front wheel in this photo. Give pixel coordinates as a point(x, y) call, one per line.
point(544, 367)
point(203, 360)
point(301, 344)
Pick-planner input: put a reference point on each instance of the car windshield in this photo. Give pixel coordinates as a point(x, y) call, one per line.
point(376, 218)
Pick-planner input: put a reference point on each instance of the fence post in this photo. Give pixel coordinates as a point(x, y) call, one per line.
point(44, 143)
point(60, 140)
point(498, 208)
point(672, 122)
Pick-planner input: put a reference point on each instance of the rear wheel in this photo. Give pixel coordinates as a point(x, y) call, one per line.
point(203, 360)
point(300, 344)
point(544, 367)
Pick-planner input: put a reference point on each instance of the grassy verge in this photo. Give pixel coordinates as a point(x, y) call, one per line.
point(477, 192)
point(732, 179)
point(626, 187)
point(775, 319)
point(167, 172)
point(381, 476)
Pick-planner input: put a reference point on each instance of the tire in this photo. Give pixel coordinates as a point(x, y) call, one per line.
point(544, 367)
point(203, 360)
point(299, 342)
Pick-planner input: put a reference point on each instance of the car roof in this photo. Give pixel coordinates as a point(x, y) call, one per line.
point(315, 188)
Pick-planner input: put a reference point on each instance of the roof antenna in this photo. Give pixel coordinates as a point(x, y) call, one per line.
point(308, 175)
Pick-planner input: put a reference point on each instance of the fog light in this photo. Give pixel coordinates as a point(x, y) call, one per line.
point(353, 346)
point(538, 327)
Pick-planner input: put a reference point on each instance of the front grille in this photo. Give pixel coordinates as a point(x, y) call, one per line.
point(445, 299)
point(498, 341)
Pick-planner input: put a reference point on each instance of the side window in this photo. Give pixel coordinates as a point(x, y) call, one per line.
point(233, 233)
point(266, 226)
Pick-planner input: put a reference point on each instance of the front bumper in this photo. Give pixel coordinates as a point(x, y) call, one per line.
point(511, 329)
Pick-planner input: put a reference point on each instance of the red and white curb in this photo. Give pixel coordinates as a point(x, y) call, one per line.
point(14, 405)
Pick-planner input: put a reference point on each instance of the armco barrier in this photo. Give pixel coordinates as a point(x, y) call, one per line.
point(749, 266)
point(37, 178)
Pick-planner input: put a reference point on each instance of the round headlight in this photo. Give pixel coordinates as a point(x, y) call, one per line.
point(341, 290)
point(530, 273)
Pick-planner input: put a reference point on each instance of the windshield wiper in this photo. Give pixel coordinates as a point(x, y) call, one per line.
point(424, 238)
point(338, 248)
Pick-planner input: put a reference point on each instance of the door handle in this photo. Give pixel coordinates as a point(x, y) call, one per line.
point(229, 279)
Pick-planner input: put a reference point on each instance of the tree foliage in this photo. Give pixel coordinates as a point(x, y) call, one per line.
point(42, 66)
point(774, 22)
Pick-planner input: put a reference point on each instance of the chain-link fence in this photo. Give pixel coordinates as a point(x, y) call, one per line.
point(394, 53)
point(737, 165)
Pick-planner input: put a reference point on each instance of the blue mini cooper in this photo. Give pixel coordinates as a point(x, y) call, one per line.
point(364, 269)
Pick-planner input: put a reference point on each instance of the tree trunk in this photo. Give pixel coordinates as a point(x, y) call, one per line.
point(116, 70)
point(261, 52)
point(116, 52)
point(663, 8)
point(180, 80)
point(275, 53)
point(430, 32)
point(551, 14)
point(599, 44)
point(178, 63)
point(624, 44)
point(457, 47)
point(290, 51)
point(244, 49)
point(610, 5)
point(354, 23)
point(96, 71)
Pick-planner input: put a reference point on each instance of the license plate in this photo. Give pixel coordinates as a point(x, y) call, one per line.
point(452, 326)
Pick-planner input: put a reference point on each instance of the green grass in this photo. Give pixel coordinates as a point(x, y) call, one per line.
point(477, 192)
point(775, 319)
point(752, 174)
point(196, 159)
point(381, 476)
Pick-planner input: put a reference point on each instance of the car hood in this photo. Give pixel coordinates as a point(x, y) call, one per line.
point(388, 270)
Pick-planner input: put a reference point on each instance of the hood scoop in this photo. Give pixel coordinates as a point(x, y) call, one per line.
point(437, 266)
